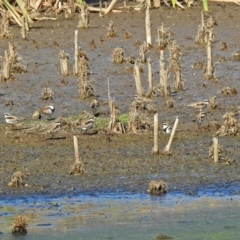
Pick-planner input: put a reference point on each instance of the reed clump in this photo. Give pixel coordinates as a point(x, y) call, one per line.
point(19, 225)
point(157, 187)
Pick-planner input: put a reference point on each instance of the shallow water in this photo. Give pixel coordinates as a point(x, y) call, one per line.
point(125, 216)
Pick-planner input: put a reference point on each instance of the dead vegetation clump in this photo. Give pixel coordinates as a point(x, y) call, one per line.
point(84, 16)
point(211, 152)
point(139, 113)
point(92, 44)
point(84, 85)
point(127, 35)
point(11, 64)
point(228, 91)
point(47, 94)
point(222, 159)
point(17, 180)
point(5, 30)
point(19, 225)
point(205, 30)
point(230, 125)
point(212, 103)
point(81, 54)
point(170, 103)
point(156, 187)
point(143, 49)
point(14, 59)
point(77, 168)
point(114, 124)
point(164, 38)
point(236, 55)
point(175, 66)
point(118, 56)
point(64, 65)
point(111, 30)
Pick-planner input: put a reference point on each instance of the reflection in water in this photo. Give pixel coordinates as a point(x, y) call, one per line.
point(126, 217)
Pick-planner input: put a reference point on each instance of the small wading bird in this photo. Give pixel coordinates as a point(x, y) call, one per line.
point(199, 105)
point(87, 124)
point(55, 128)
point(166, 128)
point(199, 117)
point(94, 106)
point(11, 119)
point(48, 110)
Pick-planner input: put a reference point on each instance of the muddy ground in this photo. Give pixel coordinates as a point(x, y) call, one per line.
point(119, 162)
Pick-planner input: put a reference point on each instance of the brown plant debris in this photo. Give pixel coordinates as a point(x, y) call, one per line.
point(170, 103)
point(211, 152)
point(236, 55)
point(92, 44)
point(11, 64)
point(164, 38)
point(175, 65)
point(223, 46)
point(205, 30)
point(77, 168)
point(118, 56)
point(230, 125)
point(156, 187)
point(84, 17)
point(114, 113)
point(143, 49)
point(111, 30)
point(137, 43)
point(228, 91)
point(19, 225)
point(82, 54)
point(47, 94)
point(198, 65)
point(139, 119)
point(222, 159)
point(127, 35)
point(212, 102)
point(5, 30)
point(17, 179)
point(84, 85)
point(15, 66)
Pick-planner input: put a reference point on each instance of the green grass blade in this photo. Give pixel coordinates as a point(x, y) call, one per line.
point(173, 3)
point(205, 5)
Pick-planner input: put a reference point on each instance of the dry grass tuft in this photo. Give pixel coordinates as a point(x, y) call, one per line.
point(5, 30)
point(118, 56)
point(47, 94)
point(236, 55)
point(77, 168)
point(156, 187)
point(228, 91)
point(127, 35)
point(84, 16)
point(170, 103)
point(211, 152)
point(230, 125)
point(17, 179)
point(19, 225)
point(212, 102)
point(111, 30)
